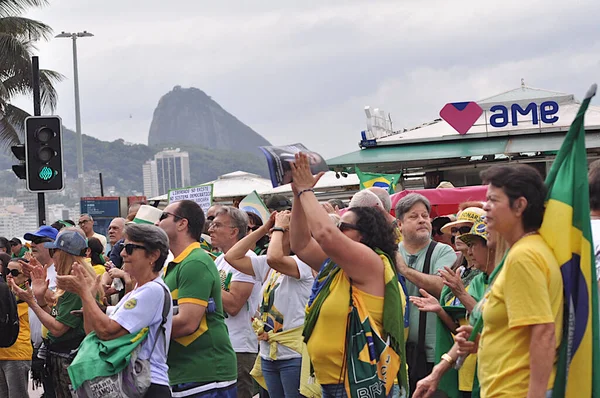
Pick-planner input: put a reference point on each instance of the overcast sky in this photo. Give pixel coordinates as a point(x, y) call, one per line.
point(303, 71)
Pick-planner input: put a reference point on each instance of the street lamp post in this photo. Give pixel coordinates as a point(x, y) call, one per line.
point(74, 36)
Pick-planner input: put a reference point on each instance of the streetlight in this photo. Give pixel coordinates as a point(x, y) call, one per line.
point(74, 37)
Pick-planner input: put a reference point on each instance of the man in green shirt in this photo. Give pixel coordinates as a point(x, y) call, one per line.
point(412, 212)
point(17, 248)
point(201, 359)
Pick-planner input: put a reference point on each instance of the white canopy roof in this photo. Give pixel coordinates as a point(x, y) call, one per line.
point(439, 129)
point(241, 183)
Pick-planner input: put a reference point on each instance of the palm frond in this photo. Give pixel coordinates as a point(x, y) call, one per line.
point(25, 28)
point(12, 7)
point(12, 125)
point(15, 54)
point(48, 93)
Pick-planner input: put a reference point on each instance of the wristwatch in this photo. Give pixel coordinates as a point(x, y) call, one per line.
point(279, 229)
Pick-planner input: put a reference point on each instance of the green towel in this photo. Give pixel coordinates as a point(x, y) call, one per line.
point(99, 358)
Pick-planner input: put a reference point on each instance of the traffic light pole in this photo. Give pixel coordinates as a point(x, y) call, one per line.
point(37, 111)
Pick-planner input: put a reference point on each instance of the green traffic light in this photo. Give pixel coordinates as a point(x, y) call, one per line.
point(47, 173)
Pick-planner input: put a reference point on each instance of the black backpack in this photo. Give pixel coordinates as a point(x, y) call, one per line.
point(9, 316)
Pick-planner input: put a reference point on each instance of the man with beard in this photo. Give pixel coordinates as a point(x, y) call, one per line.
point(419, 259)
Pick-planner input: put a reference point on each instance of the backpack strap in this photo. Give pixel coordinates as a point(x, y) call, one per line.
point(165, 316)
point(423, 315)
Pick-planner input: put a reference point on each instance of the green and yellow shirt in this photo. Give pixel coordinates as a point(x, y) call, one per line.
point(192, 278)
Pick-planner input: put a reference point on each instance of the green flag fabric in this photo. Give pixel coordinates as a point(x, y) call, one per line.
point(99, 358)
point(567, 230)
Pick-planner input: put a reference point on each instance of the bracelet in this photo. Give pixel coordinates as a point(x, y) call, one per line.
point(277, 229)
point(448, 359)
point(305, 190)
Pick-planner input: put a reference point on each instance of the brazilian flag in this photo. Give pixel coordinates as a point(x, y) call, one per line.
point(567, 230)
point(385, 181)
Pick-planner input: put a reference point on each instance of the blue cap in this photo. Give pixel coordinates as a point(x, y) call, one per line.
point(45, 231)
point(69, 241)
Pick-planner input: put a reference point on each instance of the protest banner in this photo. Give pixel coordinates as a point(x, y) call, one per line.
point(201, 194)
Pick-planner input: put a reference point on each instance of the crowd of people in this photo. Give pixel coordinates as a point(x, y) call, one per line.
point(319, 300)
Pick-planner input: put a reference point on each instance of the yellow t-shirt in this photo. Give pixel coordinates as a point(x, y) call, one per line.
point(22, 349)
point(327, 341)
point(527, 291)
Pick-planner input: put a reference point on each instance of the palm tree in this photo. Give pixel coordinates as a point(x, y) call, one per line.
point(17, 44)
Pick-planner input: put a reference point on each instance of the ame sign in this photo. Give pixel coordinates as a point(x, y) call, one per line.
point(547, 113)
point(463, 115)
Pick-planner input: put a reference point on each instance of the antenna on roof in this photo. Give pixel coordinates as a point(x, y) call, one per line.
point(522, 82)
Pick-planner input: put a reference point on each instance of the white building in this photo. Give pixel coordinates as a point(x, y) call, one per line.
point(170, 169)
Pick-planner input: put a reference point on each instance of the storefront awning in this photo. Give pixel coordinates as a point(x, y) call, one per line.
point(425, 153)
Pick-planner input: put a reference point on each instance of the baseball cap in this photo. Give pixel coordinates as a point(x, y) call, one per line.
point(479, 230)
point(45, 231)
point(15, 242)
point(278, 203)
point(469, 216)
point(68, 241)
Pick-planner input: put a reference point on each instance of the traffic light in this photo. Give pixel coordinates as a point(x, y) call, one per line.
point(43, 154)
point(19, 169)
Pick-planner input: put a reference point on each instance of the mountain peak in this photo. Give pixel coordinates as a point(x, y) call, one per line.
point(189, 115)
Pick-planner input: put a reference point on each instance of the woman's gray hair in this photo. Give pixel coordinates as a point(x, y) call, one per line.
point(152, 237)
point(408, 202)
point(239, 219)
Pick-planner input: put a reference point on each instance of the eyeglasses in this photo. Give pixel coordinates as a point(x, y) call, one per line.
point(14, 272)
point(344, 226)
point(129, 247)
point(217, 225)
point(461, 230)
point(210, 218)
point(253, 228)
point(82, 222)
point(166, 215)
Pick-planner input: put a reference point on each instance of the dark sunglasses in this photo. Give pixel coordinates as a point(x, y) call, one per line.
point(166, 215)
point(131, 246)
point(38, 240)
point(210, 218)
point(461, 230)
point(344, 226)
point(254, 228)
point(14, 272)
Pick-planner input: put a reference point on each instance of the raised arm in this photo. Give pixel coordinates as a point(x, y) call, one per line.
point(276, 258)
point(301, 243)
point(360, 262)
point(236, 256)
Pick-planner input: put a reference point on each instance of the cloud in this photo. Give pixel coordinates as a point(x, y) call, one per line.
point(303, 72)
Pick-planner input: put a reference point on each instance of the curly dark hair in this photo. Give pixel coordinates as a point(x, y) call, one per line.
point(377, 232)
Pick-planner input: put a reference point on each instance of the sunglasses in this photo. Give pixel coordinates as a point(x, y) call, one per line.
point(14, 272)
point(210, 218)
point(166, 215)
point(36, 240)
point(461, 230)
point(344, 226)
point(254, 228)
point(130, 247)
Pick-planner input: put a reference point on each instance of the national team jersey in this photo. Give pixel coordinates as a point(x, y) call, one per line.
point(206, 355)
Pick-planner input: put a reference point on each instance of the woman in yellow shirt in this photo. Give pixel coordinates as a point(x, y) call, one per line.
point(15, 361)
point(523, 306)
point(355, 264)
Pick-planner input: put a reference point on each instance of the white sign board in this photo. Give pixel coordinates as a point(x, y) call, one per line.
point(201, 194)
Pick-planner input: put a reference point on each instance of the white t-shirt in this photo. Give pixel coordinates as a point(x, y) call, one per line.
point(286, 308)
point(143, 307)
point(242, 336)
point(101, 238)
point(596, 244)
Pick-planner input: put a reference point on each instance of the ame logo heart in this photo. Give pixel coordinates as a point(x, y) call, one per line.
point(461, 115)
